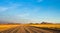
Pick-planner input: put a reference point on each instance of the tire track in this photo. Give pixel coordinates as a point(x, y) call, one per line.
point(21, 30)
point(9, 30)
point(31, 30)
point(46, 31)
point(28, 29)
point(35, 30)
point(51, 30)
point(15, 30)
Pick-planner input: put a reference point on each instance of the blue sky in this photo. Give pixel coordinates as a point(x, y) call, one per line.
point(26, 11)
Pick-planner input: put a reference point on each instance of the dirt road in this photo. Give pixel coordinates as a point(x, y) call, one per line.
point(29, 29)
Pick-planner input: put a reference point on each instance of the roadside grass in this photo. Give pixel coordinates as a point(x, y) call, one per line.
point(50, 26)
point(5, 27)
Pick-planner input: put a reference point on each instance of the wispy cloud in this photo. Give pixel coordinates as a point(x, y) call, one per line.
point(14, 6)
point(23, 15)
point(11, 7)
point(2, 9)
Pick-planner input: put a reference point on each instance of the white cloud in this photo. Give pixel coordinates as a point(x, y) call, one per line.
point(3, 9)
point(23, 15)
point(11, 7)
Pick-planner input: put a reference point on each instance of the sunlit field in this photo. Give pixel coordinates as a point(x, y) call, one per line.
point(51, 26)
point(31, 28)
point(5, 27)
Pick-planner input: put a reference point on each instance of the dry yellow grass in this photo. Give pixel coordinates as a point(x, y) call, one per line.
point(52, 26)
point(5, 27)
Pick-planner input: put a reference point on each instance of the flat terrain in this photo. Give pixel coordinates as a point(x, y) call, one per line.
point(26, 29)
point(5, 27)
point(52, 26)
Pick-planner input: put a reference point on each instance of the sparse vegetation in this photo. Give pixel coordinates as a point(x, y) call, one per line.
point(42, 26)
point(5, 27)
point(50, 26)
